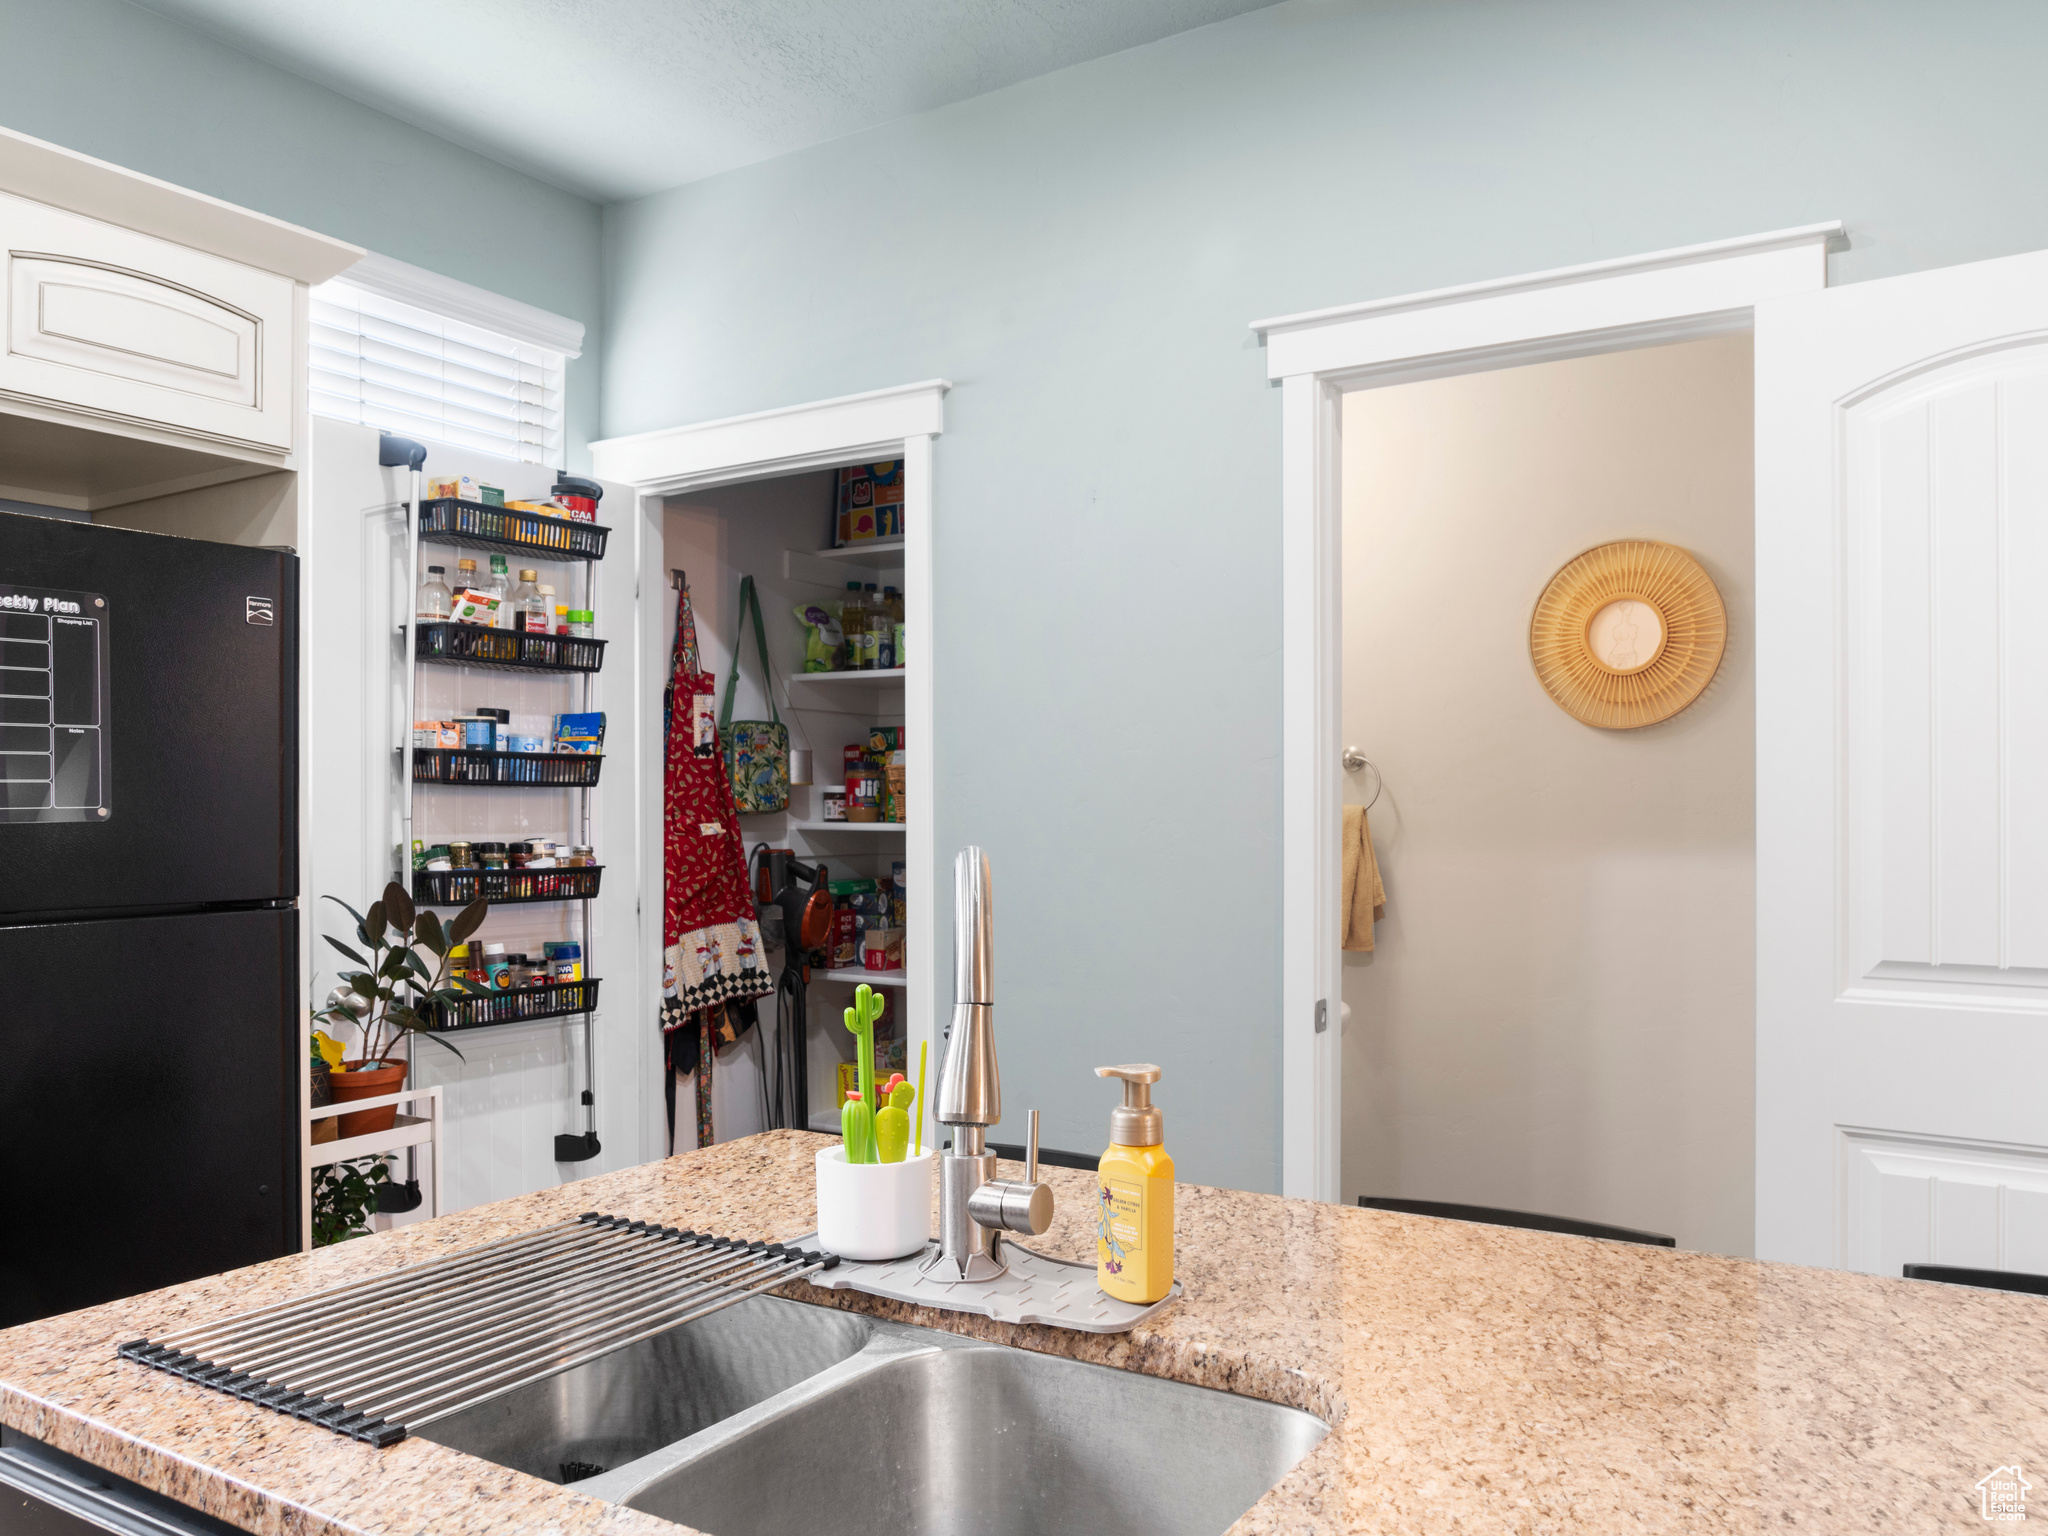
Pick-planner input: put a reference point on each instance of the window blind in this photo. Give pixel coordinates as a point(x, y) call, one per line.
point(390, 365)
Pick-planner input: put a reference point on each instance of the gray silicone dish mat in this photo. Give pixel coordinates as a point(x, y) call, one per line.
point(1058, 1293)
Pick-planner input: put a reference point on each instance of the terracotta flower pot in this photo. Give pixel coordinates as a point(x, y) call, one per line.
point(358, 1082)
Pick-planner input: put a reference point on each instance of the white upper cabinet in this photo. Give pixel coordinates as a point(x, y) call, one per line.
point(129, 328)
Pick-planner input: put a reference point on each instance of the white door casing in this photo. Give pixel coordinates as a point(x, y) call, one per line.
point(1604, 306)
point(895, 423)
point(1902, 763)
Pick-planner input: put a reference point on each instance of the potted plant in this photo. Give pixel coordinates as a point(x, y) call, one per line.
point(343, 1194)
point(393, 996)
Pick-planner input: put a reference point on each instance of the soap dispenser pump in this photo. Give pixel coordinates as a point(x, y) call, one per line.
point(1134, 1195)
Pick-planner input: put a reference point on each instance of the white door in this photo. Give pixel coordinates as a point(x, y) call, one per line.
point(517, 1084)
point(1902, 761)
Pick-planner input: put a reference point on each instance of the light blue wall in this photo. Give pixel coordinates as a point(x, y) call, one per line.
point(1081, 254)
point(113, 80)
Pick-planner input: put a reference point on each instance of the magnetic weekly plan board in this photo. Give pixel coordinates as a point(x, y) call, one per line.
point(53, 705)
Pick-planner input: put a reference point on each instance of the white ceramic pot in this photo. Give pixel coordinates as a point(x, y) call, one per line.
point(874, 1210)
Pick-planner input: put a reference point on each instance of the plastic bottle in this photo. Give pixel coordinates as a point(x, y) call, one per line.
point(435, 598)
point(892, 626)
point(500, 587)
point(1134, 1195)
point(878, 623)
point(853, 623)
point(547, 608)
point(530, 614)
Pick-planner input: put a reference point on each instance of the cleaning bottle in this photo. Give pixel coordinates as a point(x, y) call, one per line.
point(1134, 1195)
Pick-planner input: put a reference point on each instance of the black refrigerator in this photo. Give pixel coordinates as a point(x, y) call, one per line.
point(149, 1045)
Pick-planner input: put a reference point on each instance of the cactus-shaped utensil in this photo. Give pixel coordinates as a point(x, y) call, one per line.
point(892, 1133)
point(860, 1019)
point(892, 1122)
point(854, 1125)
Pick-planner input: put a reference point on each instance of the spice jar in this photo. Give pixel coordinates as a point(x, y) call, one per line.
point(460, 855)
point(582, 623)
point(490, 855)
point(582, 857)
point(564, 960)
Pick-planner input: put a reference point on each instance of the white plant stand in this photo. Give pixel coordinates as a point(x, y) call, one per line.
point(411, 1130)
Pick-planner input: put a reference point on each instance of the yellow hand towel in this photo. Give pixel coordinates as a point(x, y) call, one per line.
point(1365, 899)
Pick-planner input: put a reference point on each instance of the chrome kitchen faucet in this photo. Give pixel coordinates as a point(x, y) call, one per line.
point(975, 1207)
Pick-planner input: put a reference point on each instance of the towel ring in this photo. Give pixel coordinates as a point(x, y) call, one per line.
point(1354, 760)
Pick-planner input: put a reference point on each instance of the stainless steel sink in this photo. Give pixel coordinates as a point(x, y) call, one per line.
point(654, 1393)
point(939, 1436)
point(774, 1416)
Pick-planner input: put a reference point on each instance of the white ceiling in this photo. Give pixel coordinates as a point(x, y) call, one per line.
point(618, 98)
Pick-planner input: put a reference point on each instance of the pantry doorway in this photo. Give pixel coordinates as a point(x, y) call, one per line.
point(749, 496)
point(1317, 358)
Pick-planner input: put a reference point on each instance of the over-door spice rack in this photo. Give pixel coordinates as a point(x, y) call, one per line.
point(469, 765)
point(459, 887)
point(448, 521)
point(474, 645)
point(518, 1005)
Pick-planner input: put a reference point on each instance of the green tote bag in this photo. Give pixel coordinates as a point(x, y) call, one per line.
point(756, 751)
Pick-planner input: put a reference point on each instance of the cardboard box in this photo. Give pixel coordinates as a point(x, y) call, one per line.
point(474, 607)
point(580, 733)
point(463, 488)
point(870, 502)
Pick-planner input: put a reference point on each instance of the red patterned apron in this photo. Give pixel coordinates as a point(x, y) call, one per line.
point(710, 940)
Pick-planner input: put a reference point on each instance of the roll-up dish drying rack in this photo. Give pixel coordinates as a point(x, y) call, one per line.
point(379, 1358)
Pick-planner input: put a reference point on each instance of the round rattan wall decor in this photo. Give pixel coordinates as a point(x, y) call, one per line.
point(1628, 634)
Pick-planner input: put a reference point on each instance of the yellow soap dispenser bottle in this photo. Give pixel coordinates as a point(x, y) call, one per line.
point(1134, 1195)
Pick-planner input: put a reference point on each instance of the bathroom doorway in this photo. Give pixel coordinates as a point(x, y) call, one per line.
point(1557, 1011)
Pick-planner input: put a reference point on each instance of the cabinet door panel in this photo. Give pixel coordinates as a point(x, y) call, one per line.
point(105, 320)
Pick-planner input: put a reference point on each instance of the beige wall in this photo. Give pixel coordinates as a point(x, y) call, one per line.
point(1558, 1016)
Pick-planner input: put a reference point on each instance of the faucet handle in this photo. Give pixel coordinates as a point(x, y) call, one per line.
point(1015, 1205)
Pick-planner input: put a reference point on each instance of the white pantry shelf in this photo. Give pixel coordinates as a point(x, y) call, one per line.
point(855, 974)
point(873, 560)
point(867, 549)
point(872, 677)
point(861, 828)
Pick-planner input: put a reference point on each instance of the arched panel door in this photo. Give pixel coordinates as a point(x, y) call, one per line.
point(1902, 742)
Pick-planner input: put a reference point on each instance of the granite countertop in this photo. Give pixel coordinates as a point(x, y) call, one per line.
point(1476, 1378)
